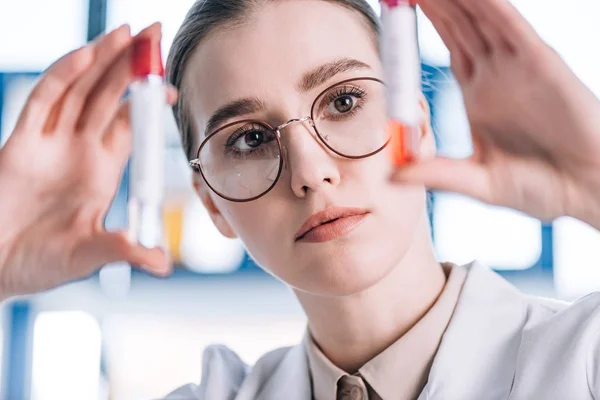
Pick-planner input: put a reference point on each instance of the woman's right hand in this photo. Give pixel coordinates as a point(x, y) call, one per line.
point(60, 171)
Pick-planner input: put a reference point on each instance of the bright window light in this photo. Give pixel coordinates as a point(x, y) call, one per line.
point(465, 229)
point(37, 32)
point(66, 356)
point(141, 13)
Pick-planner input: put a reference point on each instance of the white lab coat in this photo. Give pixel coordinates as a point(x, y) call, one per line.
point(500, 344)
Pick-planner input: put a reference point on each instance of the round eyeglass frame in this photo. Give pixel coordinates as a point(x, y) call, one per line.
point(197, 166)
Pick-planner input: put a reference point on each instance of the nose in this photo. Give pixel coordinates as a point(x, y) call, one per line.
point(310, 165)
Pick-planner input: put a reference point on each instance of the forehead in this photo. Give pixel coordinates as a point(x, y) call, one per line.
point(266, 56)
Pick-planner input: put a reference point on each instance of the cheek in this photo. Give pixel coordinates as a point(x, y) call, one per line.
point(400, 205)
point(372, 174)
point(258, 225)
point(403, 208)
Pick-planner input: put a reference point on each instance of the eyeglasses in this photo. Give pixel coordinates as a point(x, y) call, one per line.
point(242, 161)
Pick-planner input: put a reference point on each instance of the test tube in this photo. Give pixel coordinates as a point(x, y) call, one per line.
point(146, 186)
point(402, 68)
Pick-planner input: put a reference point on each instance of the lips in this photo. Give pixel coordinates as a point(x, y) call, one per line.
point(330, 224)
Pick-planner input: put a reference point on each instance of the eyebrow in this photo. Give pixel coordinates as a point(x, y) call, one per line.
point(309, 81)
point(234, 109)
point(325, 72)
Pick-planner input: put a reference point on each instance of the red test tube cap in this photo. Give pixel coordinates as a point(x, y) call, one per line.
point(147, 58)
point(396, 3)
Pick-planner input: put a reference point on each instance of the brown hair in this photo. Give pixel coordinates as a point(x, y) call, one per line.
point(204, 17)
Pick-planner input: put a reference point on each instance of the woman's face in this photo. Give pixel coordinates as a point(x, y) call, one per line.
point(268, 58)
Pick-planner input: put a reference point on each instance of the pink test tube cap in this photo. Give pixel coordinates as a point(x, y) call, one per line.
point(147, 58)
point(396, 3)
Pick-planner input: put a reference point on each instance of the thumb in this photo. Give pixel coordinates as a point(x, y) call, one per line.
point(109, 247)
point(463, 176)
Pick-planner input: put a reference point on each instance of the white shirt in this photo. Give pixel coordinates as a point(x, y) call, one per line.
point(500, 344)
point(400, 371)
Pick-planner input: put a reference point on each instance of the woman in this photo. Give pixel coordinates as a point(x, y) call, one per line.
point(327, 216)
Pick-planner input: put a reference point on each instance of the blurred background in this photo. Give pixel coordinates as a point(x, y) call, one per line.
point(128, 336)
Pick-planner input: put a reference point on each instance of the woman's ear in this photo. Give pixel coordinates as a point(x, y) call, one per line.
point(215, 214)
point(428, 147)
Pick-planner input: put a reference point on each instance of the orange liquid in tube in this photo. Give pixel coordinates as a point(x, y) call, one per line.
point(402, 69)
point(404, 142)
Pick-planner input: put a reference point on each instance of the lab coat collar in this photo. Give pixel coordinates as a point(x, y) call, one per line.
point(478, 353)
point(291, 379)
point(476, 358)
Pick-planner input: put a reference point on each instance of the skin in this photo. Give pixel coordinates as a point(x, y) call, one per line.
point(62, 163)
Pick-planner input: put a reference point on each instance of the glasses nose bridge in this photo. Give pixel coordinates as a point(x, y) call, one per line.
point(278, 130)
point(293, 121)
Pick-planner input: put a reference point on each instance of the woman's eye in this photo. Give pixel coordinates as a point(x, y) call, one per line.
point(342, 105)
point(343, 102)
point(252, 140)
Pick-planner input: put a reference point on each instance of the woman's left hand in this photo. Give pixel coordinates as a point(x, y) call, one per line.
point(535, 126)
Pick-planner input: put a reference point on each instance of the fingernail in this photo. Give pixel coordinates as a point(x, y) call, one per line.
point(121, 28)
point(156, 25)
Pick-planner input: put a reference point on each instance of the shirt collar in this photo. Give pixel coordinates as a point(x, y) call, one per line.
point(324, 373)
point(402, 368)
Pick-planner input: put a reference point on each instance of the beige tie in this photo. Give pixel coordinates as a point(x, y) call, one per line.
point(351, 387)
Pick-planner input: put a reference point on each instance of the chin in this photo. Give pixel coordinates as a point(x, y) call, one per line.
point(346, 272)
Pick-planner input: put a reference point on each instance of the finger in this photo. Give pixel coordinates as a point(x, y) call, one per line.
point(462, 66)
point(117, 137)
point(172, 94)
point(111, 247)
point(445, 174)
point(48, 93)
point(495, 37)
point(466, 33)
point(102, 106)
point(118, 134)
point(491, 36)
point(505, 21)
point(439, 24)
point(104, 101)
point(106, 51)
